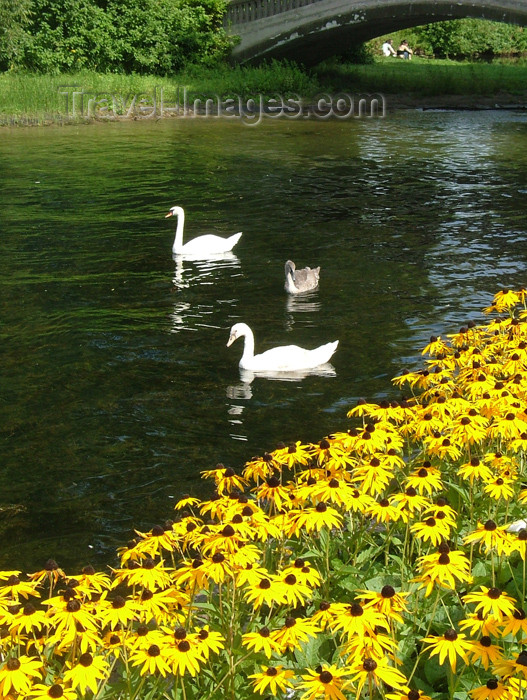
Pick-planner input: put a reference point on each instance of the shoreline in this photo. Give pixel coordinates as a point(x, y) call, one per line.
point(393, 103)
point(502, 100)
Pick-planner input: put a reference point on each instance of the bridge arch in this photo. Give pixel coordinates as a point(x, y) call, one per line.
point(310, 30)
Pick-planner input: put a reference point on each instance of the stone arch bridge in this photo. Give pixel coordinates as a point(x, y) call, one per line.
point(310, 30)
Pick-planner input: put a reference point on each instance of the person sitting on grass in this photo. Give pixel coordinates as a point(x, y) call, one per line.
point(404, 51)
point(387, 48)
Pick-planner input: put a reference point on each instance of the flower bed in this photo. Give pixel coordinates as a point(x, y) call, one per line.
point(388, 560)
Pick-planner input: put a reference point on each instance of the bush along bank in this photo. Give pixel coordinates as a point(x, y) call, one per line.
point(386, 560)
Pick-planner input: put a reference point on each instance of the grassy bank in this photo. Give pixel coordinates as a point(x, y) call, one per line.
point(31, 98)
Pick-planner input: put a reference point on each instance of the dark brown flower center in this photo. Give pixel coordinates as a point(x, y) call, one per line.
point(325, 677)
point(369, 665)
point(388, 591)
point(86, 660)
point(450, 635)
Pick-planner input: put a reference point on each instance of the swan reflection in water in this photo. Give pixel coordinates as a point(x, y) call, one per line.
point(241, 393)
point(202, 270)
point(189, 273)
point(307, 302)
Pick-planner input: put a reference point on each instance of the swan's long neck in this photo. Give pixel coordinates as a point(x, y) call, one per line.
point(248, 345)
point(178, 240)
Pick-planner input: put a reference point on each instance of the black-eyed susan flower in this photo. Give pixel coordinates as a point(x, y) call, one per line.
point(52, 573)
point(293, 633)
point(407, 694)
point(272, 491)
point(451, 645)
point(492, 601)
point(208, 641)
point(384, 512)
point(354, 619)
point(387, 601)
point(187, 502)
point(324, 616)
point(66, 612)
point(426, 479)
point(16, 674)
point(513, 668)
point(490, 536)
point(225, 479)
point(500, 488)
point(433, 530)
point(261, 641)
point(273, 679)
point(293, 455)
point(475, 469)
point(152, 660)
point(54, 691)
point(192, 573)
point(118, 611)
point(296, 591)
point(327, 683)
point(91, 581)
point(445, 567)
point(149, 574)
point(87, 673)
point(27, 619)
point(316, 519)
point(493, 689)
point(304, 572)
point(13, 587)
point(485, 651)
point(268, 591)
point(218, 568)
point(477, 623)
point(515, 623)
point(360, 502)
point(377, 672)
point(409, 500)
point(183, 653)
point(259, 468)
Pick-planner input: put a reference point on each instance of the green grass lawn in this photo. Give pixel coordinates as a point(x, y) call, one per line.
point(32, 98)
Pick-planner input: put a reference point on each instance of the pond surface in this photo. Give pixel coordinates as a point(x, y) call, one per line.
point(117, 387)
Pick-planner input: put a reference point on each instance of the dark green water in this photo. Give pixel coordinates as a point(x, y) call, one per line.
point(116, 385)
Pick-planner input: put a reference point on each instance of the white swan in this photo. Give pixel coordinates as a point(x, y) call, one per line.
point(298, 281)
point(202, 246)
point(287, 358)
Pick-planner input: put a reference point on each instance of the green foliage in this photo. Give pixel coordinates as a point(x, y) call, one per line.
point(143, 36)
point(460, 38)
point(14, 16)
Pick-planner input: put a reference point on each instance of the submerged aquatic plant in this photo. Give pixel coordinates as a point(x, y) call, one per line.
point(386, 560)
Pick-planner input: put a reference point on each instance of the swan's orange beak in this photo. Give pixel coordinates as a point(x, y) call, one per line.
point(169, 214)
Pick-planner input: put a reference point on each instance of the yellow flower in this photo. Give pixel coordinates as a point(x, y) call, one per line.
point(260, 641)
point(16, 674)
point(152, 660)
point(451, 644)
point(318, 518)
point(39, 691)
point(377, 671)
point(388, 602)
point(327, 683)
point(272, 678)
point(484, 650)
point(492, 601)
point(87, 673)
point(492, 690)
point(490, 536)
point(431, 530)
point(294, 631)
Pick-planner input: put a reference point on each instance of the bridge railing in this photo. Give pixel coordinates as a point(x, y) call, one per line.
point(243, 11)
